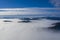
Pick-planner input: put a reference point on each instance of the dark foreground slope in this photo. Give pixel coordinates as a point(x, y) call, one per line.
point(56, 27)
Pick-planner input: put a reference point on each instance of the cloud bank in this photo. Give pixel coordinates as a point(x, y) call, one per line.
point(29, 11)
point(27, 31)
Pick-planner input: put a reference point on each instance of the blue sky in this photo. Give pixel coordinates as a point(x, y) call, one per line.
point(30, 7)
point(25, 3)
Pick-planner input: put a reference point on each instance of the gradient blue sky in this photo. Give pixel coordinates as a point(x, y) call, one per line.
point(25, 3)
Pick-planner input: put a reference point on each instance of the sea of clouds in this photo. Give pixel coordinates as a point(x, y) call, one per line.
point(27, 31)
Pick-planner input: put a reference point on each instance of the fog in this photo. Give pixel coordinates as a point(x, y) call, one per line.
point(34, 30)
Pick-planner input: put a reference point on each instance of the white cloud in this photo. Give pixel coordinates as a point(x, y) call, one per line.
point(26, 11)
point(56, 3)
point(27, 31)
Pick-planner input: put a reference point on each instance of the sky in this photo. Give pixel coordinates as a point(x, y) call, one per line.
point(30, 7)
point(24, 3)
point(29, 3)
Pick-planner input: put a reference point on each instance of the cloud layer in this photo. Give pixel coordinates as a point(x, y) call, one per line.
point(27, 31)
point(29, 11)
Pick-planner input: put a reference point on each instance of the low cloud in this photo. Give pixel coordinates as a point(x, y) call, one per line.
point(27, 31)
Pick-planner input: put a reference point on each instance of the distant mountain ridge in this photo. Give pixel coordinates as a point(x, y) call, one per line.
point(27, 17)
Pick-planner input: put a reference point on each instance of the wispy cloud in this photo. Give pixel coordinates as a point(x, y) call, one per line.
point(29, 11)
point(56, 3)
